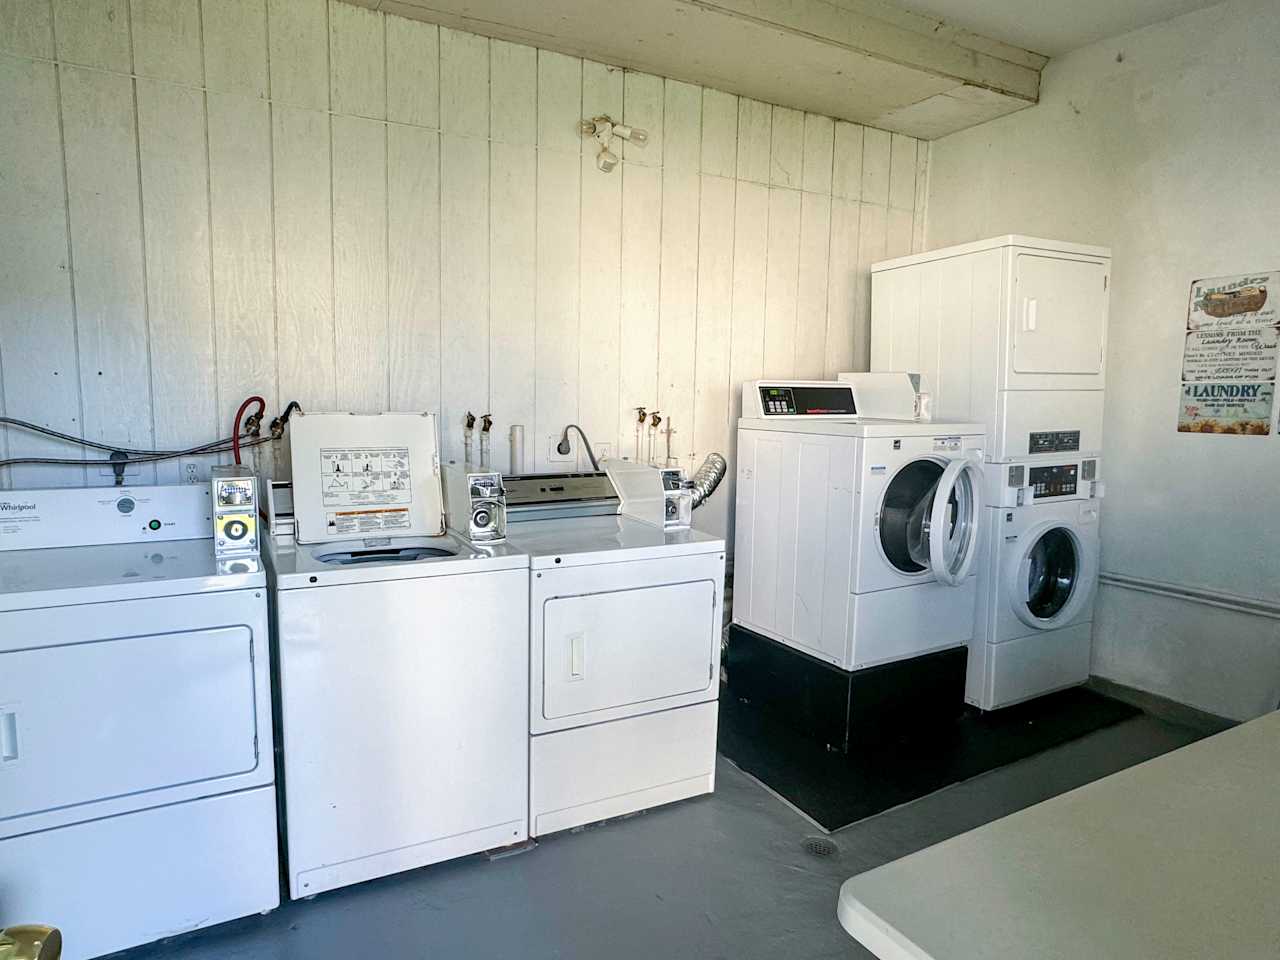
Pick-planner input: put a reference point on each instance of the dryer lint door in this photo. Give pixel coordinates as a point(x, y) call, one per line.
point(1059, 319)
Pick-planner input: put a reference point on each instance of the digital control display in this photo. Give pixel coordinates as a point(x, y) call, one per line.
point(833, 401)
point(777, 400)
point(1056, 481)
point(1054, 441)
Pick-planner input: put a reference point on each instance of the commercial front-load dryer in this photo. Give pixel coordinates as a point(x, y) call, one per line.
point(856, 538)
point(137, 795)
point(1010, 332)
point(853, 570)
point(624, 668)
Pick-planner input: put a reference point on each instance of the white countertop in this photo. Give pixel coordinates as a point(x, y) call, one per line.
point(1175, 859)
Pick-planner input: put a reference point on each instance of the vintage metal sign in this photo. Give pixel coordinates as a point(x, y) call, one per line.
point(1229, 355)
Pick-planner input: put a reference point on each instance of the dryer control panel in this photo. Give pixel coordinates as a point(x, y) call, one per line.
point(1060, 480)
point(798, 399)
point(1020, 484)
point(80, 516)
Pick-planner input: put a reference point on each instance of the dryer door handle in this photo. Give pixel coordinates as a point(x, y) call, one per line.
point(577, 655)
point(1030, 307)
point(8, 735)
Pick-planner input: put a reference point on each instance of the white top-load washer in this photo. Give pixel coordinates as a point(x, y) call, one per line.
point(137, 794)
point(1038, 577)
point(856, 538)
point(403, 662)
point(625, 625)
point(1009, 331)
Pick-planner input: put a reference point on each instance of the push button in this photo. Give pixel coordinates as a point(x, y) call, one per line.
point(154, 525)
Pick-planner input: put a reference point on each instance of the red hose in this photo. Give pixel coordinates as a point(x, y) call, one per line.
point(235, 427)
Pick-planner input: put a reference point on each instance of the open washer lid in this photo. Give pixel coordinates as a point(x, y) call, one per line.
point(365, 476)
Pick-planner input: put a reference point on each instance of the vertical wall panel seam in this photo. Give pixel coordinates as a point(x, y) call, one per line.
point(488, 232)
point(923, 212)
point(333, 267)
point(386, 203)
point(577, 387)
point(795, 313)
point(271, 213)
point(440, 304)
point(697, 287)
point(764, 302)
point(831, 235)
point(537, 167)
point(208, 187)
point(733, 259)
point(71, 271)
point(662, 175)
point(142, 233)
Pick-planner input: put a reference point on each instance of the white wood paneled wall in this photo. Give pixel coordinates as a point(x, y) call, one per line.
point(203, 199)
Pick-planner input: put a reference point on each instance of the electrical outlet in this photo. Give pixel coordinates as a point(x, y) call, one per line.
point(131, 470)
point(192, 471)
point(555, 456)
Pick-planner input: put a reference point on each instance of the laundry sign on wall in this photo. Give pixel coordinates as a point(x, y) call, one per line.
point(1229, 355)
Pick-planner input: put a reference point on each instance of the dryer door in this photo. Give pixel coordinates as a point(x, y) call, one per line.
point(928, 521)
point(953, 522)
point(1053, 577)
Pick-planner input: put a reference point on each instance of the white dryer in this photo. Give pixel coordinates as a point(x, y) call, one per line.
point(1009, 331)
point(625, 624)
point(856, 538)
point(403, 662)
point(137, 795)
point(1039, 574)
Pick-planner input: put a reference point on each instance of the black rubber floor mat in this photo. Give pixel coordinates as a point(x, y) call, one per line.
point(837, 790)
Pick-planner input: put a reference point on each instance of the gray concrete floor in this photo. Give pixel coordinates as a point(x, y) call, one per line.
point(719, 876)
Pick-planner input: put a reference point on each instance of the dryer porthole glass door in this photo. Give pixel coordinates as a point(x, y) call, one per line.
point(1052, 572)
point(953, 526)
point(904, 515)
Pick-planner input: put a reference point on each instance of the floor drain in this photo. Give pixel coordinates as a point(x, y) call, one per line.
point(820, 846)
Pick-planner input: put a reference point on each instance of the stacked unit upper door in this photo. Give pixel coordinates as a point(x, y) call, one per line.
point(979, 323)
point(1056, 321)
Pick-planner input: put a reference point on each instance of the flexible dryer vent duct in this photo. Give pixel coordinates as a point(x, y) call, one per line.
point(707, 478)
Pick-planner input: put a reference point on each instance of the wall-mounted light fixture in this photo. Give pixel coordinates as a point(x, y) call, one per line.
point(603, 129)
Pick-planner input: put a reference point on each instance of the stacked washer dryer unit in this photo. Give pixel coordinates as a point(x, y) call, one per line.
point(1012, 331)
point(402, 657)
point(624, 616)
point(137, 795)
point(856, 543)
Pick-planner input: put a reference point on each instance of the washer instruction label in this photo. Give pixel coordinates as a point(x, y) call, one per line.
point(365, 476)
point(357, 523)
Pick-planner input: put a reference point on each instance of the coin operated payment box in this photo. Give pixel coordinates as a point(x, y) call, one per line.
point(235, 512)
